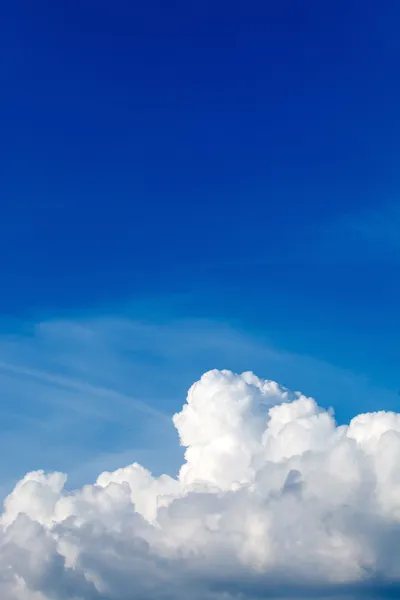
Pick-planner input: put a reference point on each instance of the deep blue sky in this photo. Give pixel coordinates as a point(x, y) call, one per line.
point(231, 160)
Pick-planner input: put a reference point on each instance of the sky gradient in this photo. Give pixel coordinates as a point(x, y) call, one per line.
point(244, 157)
point(191, 191)
point(205, 161)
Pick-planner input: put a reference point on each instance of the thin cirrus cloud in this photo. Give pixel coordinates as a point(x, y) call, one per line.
point(368, 237)
point(79, 386)
point(273, 499)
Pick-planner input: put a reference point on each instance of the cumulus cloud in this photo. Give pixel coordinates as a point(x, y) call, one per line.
point(273, 500)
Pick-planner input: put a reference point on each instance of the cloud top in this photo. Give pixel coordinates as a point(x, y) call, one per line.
point(273, 499)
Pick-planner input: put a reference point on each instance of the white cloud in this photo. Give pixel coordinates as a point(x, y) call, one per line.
point(273, 500)
point(92, 389)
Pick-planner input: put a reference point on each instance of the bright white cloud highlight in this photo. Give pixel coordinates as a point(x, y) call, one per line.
point(274, 499)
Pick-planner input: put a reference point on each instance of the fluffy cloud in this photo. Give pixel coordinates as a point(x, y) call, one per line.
point(273, 500)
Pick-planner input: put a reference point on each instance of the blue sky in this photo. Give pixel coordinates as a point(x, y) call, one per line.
point(198, 185)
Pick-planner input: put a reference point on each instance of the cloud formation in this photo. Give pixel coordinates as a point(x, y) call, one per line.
point(273, 500)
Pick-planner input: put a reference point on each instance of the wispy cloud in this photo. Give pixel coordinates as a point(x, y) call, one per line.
point(368, 236)
point(85, 388)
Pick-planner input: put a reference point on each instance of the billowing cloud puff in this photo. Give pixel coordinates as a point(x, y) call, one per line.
point(273, 500)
